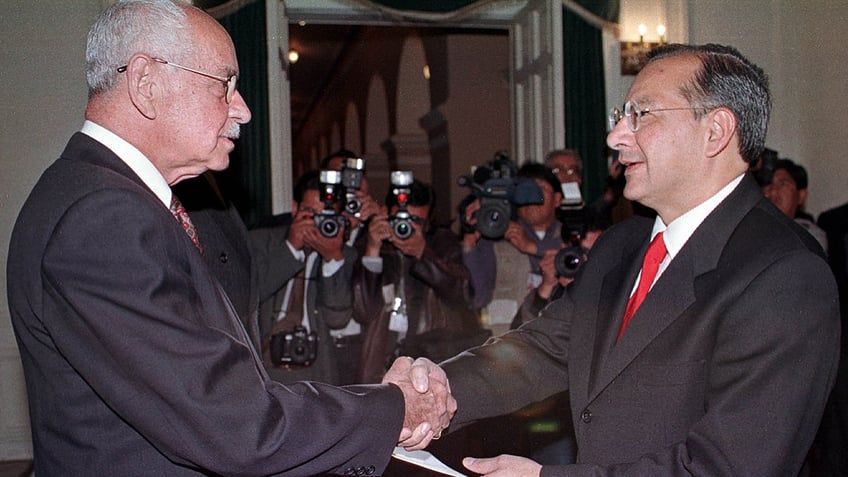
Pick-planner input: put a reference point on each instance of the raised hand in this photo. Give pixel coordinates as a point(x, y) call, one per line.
point(516, 235)
point(429, 404)
point(378, 230)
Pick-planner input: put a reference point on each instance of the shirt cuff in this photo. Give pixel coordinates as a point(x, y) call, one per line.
point(373, 264)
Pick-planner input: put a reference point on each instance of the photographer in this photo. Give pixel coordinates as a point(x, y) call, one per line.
point(560, 267)
point(504, 270)
point(296, 319)
point(412, 292)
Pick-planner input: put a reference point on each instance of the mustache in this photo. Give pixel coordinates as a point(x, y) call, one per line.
point(233, 131)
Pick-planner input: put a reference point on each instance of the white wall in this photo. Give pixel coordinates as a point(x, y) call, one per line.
point(800, 45)
point(41, 70)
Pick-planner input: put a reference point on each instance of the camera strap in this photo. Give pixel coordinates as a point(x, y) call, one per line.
point(294, 307)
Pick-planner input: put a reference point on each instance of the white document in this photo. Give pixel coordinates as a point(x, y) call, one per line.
point(426, 460)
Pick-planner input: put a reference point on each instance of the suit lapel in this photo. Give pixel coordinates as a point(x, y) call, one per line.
point(672, 294)
point(611, 304)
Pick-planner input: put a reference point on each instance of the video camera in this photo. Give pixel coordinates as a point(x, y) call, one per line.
point(330, 222)
point(401, 222)
point(500, 192)
point(353, 169)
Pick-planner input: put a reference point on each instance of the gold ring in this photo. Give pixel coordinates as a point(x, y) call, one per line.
point(437, 435)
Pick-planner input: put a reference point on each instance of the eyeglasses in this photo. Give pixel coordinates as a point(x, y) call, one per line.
point(633, 112)
point(571, 171)
point(229, 83)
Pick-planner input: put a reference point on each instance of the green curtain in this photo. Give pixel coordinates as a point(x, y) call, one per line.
point(585, 95)
point(247, 180)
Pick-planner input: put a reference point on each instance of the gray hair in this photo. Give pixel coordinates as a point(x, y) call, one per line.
point(154, 27)
point(728, 79)
point(564, 152)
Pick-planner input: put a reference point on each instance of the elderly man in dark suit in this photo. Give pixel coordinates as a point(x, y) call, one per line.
point(725, 366)
point(135, 362)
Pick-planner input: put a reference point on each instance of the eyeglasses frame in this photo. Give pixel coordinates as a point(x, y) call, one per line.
point(616, 115)
point(229, 82)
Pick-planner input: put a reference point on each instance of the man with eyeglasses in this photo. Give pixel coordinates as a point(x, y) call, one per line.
point(412, 292)
point(710, 352)
point(135, 361)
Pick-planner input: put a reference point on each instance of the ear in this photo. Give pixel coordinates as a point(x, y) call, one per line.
point(142, 85)
point(294, 207)
point(802, 196)
point(722, 130)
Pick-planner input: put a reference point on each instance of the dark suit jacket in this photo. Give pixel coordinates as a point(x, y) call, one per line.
point(225, 244)
point(134, 361)
point(724, 369)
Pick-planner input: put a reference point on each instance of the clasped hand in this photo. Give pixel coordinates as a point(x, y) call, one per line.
point(429, 405)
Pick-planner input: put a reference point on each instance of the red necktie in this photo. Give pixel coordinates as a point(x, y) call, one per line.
point(655, 254)
point(182, 217)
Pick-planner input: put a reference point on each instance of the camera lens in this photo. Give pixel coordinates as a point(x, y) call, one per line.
point(353, 205)
point(327, 225)
point(568, 261)
point(403, 229)
point(493, 219)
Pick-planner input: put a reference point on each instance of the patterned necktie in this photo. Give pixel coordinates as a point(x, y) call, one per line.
point(653, 257)
point(182, 217)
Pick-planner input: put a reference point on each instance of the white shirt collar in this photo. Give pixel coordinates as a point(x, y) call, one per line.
point(680, 229)
point(132, 157)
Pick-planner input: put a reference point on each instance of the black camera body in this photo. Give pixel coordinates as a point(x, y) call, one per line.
point(328, 221)
point(499, 192)
point(297, 347)
point(401, 222)
point(569, 259)
point(353, 169)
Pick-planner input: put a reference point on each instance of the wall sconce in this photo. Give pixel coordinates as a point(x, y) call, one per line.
point(634, 55)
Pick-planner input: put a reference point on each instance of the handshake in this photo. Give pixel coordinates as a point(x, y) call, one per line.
point(429, 405)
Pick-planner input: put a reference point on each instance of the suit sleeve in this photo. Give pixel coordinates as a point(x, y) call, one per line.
point(518, 368)
point(274, 262)
point(135, 312)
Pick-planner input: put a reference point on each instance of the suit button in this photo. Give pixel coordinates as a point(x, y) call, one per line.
point(350, 471)
point(370, 470)
point(223, 257)
point(586, 416)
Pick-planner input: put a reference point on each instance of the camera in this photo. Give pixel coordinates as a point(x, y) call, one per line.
point(401, 222)
point(568, 261)
point(328, 221)
point(353, 168)
point(499, 192)
point(297, 347)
